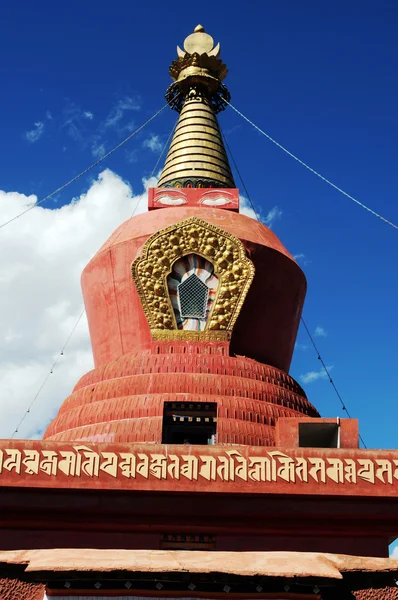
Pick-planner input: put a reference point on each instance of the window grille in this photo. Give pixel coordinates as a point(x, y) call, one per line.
point(193, 294)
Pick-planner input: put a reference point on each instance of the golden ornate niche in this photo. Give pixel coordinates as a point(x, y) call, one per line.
point(231, 265)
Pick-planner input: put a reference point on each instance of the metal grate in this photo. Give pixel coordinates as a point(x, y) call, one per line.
point(193, 294)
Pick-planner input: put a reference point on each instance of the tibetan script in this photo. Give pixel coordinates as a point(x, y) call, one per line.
point(226, 466)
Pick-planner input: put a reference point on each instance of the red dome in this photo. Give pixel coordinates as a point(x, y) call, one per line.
point(123, 398)
point(267, 326)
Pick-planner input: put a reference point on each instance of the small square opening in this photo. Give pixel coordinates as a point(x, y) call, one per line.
point(318, 435)
point(191, 423)
point(187, 542)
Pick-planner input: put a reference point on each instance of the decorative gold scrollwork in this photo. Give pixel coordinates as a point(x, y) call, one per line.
point(231, 265)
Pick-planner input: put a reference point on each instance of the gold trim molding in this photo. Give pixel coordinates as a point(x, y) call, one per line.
point(175, 335)
point(231, 265)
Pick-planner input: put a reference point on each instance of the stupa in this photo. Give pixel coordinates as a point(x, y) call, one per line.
point(191, 301)
point(189, 462)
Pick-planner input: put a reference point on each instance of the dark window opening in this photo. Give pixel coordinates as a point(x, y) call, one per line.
point(319, 435)
point(187, 542)
point(192, 423)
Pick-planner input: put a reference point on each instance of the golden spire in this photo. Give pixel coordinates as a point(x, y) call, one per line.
point(197, 156)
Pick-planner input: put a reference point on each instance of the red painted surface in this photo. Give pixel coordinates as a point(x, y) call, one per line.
point(120, 405)
point(123, 400)
point(226, 199)
point(33, 517)
point(267, 326)
point(12, 588)
point(195, 469)
point(287, 431)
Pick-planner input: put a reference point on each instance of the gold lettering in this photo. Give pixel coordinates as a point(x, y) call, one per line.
point(302, 469)
point(259, 468)
point(208, 470)
point(226, 466)
point(70, 463)
point(49, 464)
point(90, 466)
point(158, 466)
point(287, 469)
point(190, 468)
point(174, 466)
point(350, 470)
point(368, 470)
point(109, 464)
point(241, 469)
point(335, 471)
point(127, 464)
point(273, 464)
point(318, 468)
point(31, 462)
point(143, 465)
point(385, 467)
point(223, 469)
point(14, 460)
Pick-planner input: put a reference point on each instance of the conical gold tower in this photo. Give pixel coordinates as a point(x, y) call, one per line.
point(197, 156)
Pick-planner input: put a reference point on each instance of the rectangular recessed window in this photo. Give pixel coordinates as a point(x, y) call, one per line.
point(319, 435)
point(188, 541)
point(192, 423)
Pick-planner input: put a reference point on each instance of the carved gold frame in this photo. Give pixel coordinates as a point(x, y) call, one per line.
point(231, 265)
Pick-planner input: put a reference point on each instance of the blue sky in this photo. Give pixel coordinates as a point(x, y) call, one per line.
point(318, 77)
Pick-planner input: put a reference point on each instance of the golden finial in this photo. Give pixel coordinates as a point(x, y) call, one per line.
point(197, 156)
point(199, 59)
point(199, 42)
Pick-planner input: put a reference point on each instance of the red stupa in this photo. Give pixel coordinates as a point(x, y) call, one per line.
point(188, 461)
point(237, 360)
point(242, 370)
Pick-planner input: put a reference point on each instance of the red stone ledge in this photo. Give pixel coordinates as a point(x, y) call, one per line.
point(224, 469)
point(344, 573)
point(248, 564)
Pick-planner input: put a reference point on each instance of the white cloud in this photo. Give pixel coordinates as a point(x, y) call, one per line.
point(129, 127)
point(97, 150)
point(273, 215)
point(34, 134)
point(245, 208)
point(49, 115)
point(131, 155)
point(79, 124)
point(74, 122)
point(320, 332)
point(312, 376)
point(117, 113)
point(269, 219)
point(298, 346)
point(301, 259)
point(43, 254)
point(153, 143)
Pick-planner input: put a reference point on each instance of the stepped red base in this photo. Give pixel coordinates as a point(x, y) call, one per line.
point(123, 401)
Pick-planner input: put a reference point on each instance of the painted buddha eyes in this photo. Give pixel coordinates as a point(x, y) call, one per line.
point(169, 200)
point(218, 200)
point(211, 198)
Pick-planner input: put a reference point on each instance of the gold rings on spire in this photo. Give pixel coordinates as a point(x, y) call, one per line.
point(197, 156)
